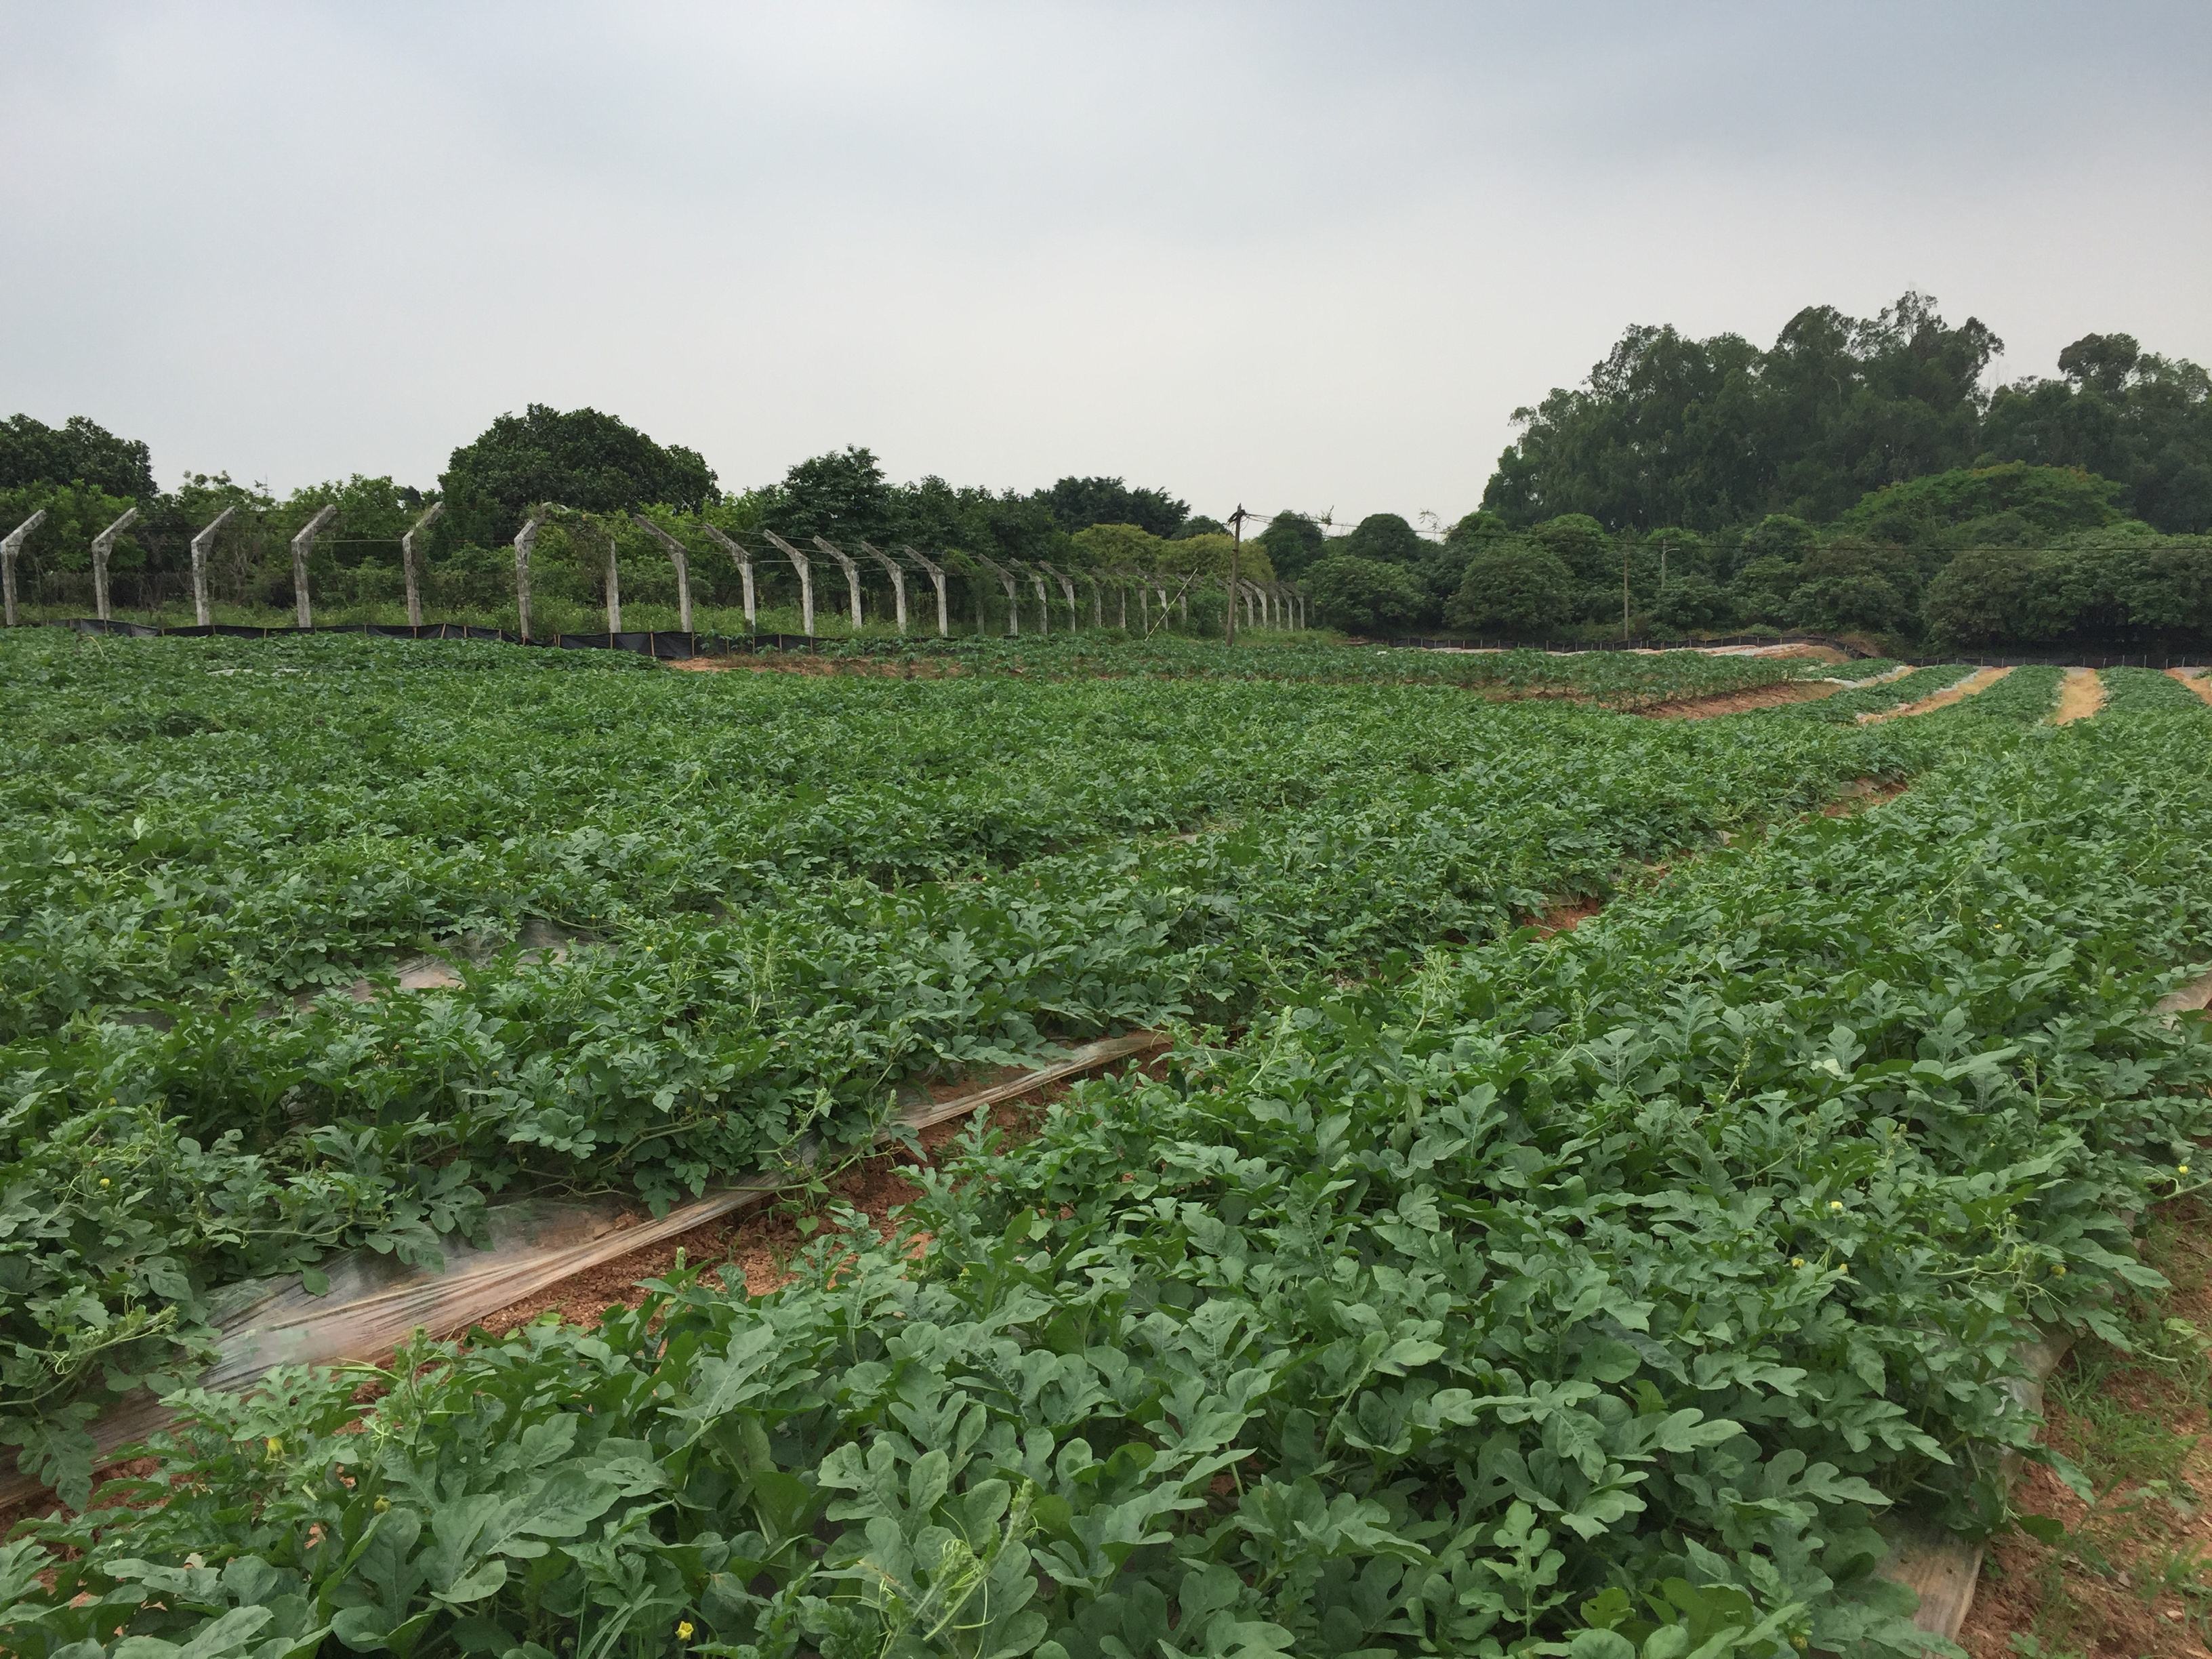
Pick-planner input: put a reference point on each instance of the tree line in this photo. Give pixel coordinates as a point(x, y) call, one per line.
point(1858, 476)
point(604, 471)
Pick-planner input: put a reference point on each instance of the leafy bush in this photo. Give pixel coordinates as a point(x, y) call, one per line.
point(1514, 589)
point(1364, 596)
point(1386, 539)
point(1693, 603)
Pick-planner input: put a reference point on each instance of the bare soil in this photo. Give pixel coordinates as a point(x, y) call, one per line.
point(760, 1244)
point(1567, 916)
point(2131, 1578)
point(2197, 680)
point(1860, 793)
point(801, 664)
point(2081, 694)
point(1737, 702)
point(1979, 681)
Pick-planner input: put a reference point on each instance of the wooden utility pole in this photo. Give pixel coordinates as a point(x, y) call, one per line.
point(1624, 592)
point(1236, 556)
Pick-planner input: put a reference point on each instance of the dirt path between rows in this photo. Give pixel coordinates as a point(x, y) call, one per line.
point(2197, 680)
point(2128, 1579)
point(1979, 681)
point(1738, 702)
point(2080, 696)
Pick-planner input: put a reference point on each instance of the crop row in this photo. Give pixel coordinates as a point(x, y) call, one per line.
point(2130, 689)
point(791, 933)
point(1619, 679)
point(245, 822)
point(1592, 1294)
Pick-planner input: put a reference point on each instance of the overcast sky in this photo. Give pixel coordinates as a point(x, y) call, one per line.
point(1306, 256)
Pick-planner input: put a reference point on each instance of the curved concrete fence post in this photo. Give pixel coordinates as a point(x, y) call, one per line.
point(897, 574)
point(102, 546)
point(201, 543)
point(1066, 591)
point(679, 556)
point(844, 562)
point(804, 567)
point(303, 612)
point(410, 563)
point(614, 584)
point(1044, 605)
point(743, 557)
point(10, 546)
point(525, 539)
point(936, 573)
point(1006, 580)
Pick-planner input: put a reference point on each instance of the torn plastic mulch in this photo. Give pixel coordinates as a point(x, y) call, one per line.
point(373, 1302)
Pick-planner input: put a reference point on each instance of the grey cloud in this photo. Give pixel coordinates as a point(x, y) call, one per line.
point(1284, 253)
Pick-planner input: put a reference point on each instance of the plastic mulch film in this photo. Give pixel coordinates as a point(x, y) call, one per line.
point(373, 1302)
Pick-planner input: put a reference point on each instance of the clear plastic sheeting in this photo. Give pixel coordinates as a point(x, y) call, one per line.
point(372, 1303)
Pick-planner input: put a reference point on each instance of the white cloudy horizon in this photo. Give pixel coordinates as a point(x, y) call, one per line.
point(1285, 254)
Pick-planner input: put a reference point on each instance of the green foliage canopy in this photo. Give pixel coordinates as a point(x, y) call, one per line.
point(1294, 542)
point(1077, 503)
point(1386, 537)
point(1365, 596)
point(1514, 589)
point(78, 452)
point(578, 458)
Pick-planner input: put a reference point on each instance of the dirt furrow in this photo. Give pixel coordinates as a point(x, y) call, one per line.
point(1979, 681)
point(2199, 680)
point(2080, 697)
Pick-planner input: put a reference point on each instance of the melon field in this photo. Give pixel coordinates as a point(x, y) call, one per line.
point(1592, 1181)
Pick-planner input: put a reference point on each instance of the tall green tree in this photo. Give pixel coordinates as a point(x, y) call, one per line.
point(78, 452)
point(840, 494)
point(1365, 596)
point(1077, 503)
point(1670, 430)
point(2128, 414)
point(1294, 542)
point(1513, 589)
point(578, 458)
point(1388, 538)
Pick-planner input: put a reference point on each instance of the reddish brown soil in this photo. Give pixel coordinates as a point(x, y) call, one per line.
point(1979, 681)
point(801, 664)
point(1737, 702)
point(761, 1243)
point(2081, 694)
point(2132, 1580)
point(1566, 916)
point(2197, 681)
point(1859, 794)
